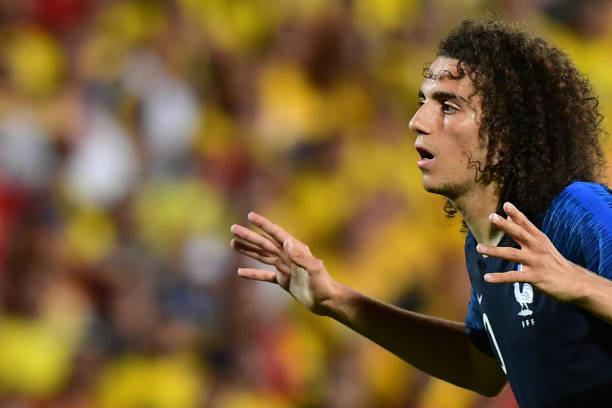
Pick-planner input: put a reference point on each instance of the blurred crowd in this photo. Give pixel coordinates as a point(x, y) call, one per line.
point(134, 133)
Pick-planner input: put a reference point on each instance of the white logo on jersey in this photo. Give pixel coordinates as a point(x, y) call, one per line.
point(523, 296)
point(479, 297)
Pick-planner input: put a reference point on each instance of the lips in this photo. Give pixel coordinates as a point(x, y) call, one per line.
point(424, 153)
point(426, 159)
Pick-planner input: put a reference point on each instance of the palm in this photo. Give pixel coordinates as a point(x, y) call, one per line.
point(299, 286)
point(297, 270)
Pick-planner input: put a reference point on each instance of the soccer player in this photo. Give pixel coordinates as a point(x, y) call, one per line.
point(506, 122)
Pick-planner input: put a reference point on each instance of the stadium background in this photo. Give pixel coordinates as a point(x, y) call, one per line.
point(134, 133)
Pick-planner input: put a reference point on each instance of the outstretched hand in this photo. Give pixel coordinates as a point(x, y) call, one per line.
point(297, 270)
point(542, 265)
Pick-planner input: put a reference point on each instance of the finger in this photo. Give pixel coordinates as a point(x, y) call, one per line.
point(254, 238)
point(516, 231)
point(300, 254)
point(508, 253)
point(243, 244)
point(519, 218)
point(275, 231)
point(507, 277)
point(257, 274)
point(258, 255)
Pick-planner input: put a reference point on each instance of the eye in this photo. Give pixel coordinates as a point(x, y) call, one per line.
point(448, 108)
point(421, 101)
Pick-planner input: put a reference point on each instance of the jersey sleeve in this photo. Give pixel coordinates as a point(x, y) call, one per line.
point(475, 327)
point(580, 226)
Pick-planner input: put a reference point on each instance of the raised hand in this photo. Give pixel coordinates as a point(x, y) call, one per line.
point(297, 270)
point(542, 265)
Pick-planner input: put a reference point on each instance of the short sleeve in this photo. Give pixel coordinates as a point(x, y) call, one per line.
point(579, 224)
point(475, 327)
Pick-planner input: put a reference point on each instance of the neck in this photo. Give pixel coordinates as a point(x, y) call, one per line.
point(475, 207)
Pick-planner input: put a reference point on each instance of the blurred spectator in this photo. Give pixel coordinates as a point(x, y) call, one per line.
point(133, 133)
point(103, 166)
point(27, 156)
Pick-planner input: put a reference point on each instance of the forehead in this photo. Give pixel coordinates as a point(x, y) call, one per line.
point(442, 74)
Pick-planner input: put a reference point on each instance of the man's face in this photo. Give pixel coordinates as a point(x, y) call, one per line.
point(447, 125)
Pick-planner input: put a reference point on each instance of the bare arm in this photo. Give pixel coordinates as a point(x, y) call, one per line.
point(439, 347)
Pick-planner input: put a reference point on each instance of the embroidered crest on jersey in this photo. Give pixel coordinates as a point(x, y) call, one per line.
point(523, 296)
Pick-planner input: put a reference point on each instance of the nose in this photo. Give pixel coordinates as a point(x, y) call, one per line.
point(419, 122)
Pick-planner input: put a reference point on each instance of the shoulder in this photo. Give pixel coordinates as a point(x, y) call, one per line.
point(581, 199)
point(579, 224)
point(587, 193)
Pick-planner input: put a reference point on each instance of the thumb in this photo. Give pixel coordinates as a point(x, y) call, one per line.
point(300, 253)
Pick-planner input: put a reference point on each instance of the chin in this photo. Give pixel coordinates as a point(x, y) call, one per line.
point(442, 188)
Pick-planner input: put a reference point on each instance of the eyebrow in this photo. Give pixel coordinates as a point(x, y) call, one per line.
point(443, 96)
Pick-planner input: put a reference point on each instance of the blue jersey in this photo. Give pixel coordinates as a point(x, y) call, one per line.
point(555, 354)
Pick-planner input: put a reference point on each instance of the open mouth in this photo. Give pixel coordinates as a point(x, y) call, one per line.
point(424, 153)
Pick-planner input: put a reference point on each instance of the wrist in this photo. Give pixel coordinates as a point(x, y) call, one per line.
point(582, 292)
point(337, 304)
point(593, 295)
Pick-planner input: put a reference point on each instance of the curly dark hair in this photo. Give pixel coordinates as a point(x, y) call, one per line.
point(540, 114)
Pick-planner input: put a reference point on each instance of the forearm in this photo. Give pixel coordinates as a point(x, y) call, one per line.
point(439, 347)
point(595, 295)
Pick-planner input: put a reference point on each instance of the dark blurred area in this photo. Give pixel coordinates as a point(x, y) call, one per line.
point(134, 133)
